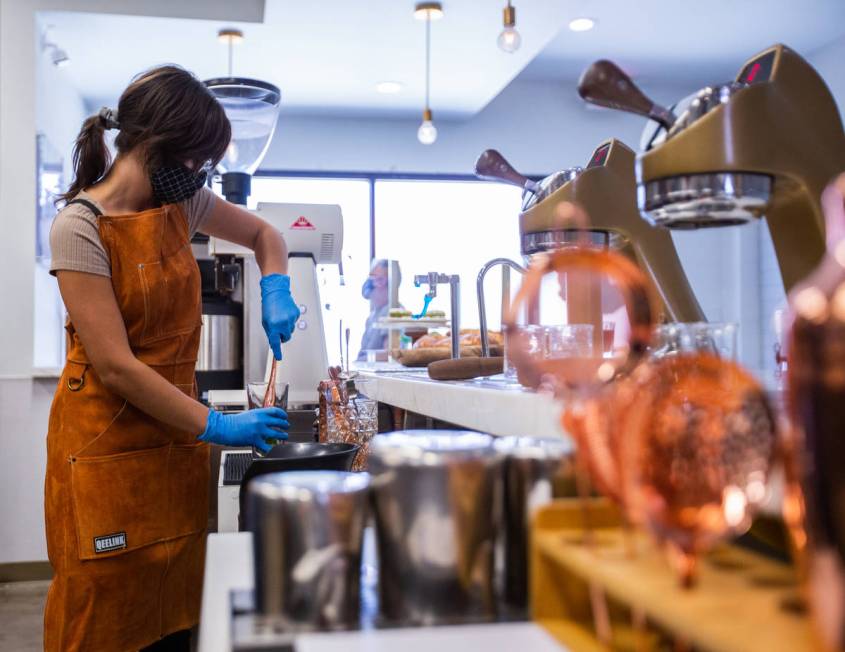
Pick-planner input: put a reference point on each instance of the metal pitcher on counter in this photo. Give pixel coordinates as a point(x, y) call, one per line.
point(436, 498)
point(307, 535)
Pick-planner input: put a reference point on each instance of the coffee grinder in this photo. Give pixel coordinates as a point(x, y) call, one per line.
point(763, 145)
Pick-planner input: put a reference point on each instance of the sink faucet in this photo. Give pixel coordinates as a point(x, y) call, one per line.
point(508, 264)
point(433, 279)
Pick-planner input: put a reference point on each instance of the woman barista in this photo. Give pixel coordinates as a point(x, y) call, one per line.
point(127, 472)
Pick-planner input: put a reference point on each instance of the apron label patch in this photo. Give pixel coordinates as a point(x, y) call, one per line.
point(109, 542)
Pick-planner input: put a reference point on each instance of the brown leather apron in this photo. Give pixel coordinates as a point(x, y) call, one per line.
point(126, 497)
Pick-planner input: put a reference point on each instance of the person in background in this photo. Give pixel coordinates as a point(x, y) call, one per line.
point(126, 489)
point(377, 291)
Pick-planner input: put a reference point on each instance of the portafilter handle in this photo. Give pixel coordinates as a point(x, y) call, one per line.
point(606, 84)
point(491, 165)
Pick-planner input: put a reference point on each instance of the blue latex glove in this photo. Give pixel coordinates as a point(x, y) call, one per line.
point(278, 311)
point(250, 428)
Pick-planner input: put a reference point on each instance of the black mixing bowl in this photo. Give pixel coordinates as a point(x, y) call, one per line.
point(298, 456)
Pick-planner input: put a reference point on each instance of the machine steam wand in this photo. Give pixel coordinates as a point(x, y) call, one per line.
point(433, 279)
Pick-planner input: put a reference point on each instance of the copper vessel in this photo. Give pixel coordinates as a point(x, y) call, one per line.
point(814, 506)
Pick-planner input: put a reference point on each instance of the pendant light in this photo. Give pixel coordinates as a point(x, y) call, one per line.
point(427, 11)
point(252, 107)
point(509, 40)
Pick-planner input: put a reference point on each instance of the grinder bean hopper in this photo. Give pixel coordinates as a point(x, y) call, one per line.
point(606, 189)
point(765, 144)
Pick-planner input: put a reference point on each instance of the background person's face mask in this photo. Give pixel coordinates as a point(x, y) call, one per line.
point(367, 288)
point(176, 183)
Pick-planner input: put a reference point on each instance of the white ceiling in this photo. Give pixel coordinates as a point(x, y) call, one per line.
point(327, 56)
point(687, 41)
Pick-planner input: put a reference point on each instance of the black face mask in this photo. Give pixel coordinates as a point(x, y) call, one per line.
point(177, 183)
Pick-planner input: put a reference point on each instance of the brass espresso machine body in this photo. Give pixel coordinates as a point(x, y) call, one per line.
point(606, 189)
point(765, 144)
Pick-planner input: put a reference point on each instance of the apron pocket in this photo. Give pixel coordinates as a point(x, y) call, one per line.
point(172, 281)
point(130, 500)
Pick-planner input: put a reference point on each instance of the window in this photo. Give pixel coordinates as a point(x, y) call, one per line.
point(451, 227)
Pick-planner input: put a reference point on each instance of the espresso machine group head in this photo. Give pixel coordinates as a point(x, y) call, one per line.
point(606, 189)
point(763, 145)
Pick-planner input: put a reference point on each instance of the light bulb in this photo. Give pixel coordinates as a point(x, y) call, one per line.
point(427, 133)
point(509, 40)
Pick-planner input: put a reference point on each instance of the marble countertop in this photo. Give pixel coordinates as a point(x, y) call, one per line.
point(229, 566)
point(493, 405)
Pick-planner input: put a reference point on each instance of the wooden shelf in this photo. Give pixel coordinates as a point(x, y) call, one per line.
point(742, 602)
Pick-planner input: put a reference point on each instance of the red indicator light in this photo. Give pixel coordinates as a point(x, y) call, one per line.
point(753, 73)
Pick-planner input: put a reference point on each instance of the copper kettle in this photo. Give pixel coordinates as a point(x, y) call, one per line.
point(814, 505)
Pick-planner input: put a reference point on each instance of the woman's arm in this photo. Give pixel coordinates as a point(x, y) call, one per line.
point(93, 310)
point(237, 225)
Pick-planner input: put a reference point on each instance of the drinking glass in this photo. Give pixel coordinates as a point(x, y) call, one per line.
point(354, 421)
point(569, 340)
point(676, 338)
point(255, 393)
point(608, 333)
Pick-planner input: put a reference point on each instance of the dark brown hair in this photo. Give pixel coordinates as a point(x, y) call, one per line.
point(168, 112)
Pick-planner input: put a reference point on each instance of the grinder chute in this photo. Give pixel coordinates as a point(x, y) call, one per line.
point(763, 145)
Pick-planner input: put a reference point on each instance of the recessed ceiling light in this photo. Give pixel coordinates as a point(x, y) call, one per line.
point(389, 87)
point(582, 24)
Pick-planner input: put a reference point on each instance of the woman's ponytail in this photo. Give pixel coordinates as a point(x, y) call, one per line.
point(166, 114)
point(91, 156)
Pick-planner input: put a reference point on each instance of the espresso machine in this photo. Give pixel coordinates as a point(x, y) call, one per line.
point(763, 145)
point(606, 188)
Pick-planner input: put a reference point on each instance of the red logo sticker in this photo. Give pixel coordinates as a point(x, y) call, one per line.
point(302, 224)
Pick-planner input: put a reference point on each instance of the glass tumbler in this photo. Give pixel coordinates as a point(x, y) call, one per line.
point(353, 422)
point(255, 393)
point(569, 341)
point(677, 338)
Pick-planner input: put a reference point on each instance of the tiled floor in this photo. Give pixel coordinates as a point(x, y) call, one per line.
point(21, 612)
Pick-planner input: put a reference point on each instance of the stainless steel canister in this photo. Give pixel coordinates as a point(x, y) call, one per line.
point(436, 498)
point(307, 528)
point(220, 343)
point(529, 469)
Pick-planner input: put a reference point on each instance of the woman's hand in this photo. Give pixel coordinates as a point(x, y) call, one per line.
point(278, 311)
point(250, 428)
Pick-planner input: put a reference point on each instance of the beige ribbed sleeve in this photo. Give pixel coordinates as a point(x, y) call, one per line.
point(75, 242)
point(75, 238)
